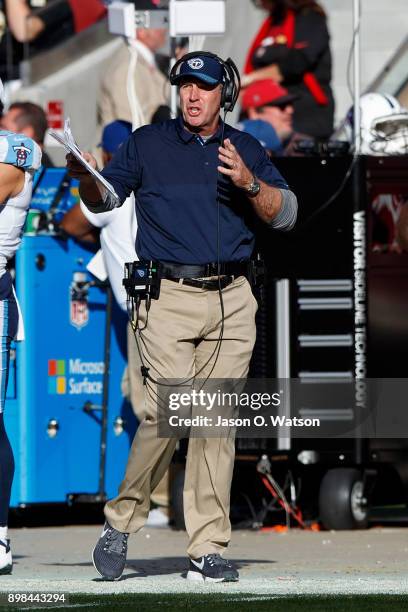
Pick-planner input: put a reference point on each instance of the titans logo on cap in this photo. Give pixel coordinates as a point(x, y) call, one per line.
point(195, 63)
point(204, 68)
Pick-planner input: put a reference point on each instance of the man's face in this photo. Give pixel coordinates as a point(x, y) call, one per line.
point(200, 105)
point(279, 117)
point(153, 38)
point(9, 121)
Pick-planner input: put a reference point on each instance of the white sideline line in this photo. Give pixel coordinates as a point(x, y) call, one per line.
point(225, 599)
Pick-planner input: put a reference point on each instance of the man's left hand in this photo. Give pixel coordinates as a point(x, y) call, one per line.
point(234, 166)
point(268, 72)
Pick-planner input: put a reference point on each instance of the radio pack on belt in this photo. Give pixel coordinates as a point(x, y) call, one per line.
point(256, 272)
point(142, 280)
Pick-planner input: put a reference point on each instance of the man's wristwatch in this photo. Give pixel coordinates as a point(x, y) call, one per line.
point(254, 188)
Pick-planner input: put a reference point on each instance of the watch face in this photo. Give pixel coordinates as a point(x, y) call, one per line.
point(254, 188)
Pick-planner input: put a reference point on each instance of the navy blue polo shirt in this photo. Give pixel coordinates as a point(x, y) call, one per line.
point(177, 186)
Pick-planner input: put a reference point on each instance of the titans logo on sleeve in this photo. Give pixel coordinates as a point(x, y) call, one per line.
point(22, 153)
point(19, 150)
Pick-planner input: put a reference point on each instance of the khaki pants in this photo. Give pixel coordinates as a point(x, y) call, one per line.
point(182, 330)
point(134, 390)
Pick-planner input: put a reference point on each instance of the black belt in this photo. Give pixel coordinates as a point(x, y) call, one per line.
point(174, 271)
point(209, 284)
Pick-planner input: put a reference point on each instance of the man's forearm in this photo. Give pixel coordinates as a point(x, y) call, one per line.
point(267, 203)
point(96, 198)
point(276, 207)
point(90, 192)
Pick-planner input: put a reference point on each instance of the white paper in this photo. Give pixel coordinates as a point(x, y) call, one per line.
point(68, 142)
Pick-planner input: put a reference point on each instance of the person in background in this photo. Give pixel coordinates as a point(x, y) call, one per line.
point(29, 119)
point(292, 48)
point(31, 27)
point(40, 25)
point(23, 22)
point(118, 236)
point(20, 157)
point(267, 111)
point(29, 20)
point(133, 87)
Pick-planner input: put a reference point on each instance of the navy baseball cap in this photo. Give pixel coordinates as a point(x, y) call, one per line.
point(263, 132)
point(202, 67)
point(114, 134)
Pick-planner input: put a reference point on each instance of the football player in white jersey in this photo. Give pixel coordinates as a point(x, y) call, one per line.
point(20, 157)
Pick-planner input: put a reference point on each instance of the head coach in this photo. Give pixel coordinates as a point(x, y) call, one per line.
point(197, 183)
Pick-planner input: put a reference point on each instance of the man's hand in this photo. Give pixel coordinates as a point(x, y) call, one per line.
point(77, 171)
point(268, 72)
point(268, 202)
point(91, 191)
point(236, 169)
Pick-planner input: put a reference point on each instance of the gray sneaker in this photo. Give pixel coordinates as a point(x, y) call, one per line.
point(6, 561)
point(212, 568)
point(109, 554)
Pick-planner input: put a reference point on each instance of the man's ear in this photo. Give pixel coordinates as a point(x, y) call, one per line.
point(252, 113)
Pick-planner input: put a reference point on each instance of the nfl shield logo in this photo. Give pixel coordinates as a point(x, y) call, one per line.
point(79, 313)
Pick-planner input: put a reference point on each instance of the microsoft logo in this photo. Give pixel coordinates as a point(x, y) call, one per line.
point(57, 383)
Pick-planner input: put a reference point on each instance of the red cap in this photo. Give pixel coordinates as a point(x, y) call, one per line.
point(265, 93)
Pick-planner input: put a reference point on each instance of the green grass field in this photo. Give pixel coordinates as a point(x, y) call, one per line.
point(228, 603)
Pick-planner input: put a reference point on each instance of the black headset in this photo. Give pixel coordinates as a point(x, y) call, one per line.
point(231, 84)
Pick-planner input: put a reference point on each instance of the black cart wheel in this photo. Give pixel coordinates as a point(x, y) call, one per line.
point(177, 500)
point(342, 504)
